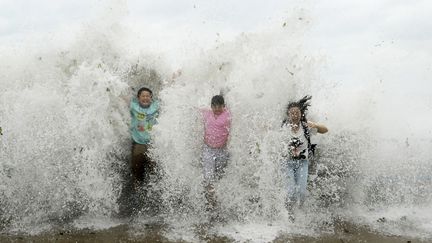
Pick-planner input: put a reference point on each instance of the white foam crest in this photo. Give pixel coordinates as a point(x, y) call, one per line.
point(257, 80)
point(64, 132)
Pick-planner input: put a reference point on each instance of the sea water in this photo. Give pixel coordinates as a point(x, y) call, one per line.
point(65, 146)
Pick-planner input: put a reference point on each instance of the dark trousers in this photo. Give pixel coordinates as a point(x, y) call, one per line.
point(142, 165)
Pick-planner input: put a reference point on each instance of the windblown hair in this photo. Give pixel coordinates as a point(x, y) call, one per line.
point(302, 104)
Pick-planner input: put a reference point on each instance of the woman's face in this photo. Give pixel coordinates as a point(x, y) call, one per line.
point(294, 115)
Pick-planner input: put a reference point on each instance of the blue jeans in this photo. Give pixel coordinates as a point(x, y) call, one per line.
point(297, 175)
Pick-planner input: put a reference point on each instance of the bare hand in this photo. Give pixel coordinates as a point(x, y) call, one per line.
point(176, 74)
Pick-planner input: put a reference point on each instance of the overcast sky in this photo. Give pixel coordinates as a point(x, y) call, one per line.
point(391, 38)
point(387, 42)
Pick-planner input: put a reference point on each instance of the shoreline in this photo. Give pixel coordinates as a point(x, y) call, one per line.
point(154, 233)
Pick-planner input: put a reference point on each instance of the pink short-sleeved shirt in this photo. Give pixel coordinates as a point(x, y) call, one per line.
point(216, 128)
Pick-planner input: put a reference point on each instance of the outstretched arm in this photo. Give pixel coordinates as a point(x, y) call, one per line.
point(320, 127)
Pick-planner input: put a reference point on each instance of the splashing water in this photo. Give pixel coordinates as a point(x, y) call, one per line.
point(65, 143)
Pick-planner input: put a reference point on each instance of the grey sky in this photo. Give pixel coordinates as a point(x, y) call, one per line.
point(377, 36)
point(385, 44)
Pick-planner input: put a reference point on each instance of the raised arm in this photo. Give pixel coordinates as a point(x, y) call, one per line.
point(320, 127)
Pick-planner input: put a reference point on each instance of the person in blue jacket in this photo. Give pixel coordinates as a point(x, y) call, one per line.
point(144, 111)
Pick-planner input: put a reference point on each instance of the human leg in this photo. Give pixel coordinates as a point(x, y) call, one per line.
point(221, 161)
point(208, 162)
point(137, 161)
point(302, 180)
point(291, 171)
point(149, 165)
point(141, 164)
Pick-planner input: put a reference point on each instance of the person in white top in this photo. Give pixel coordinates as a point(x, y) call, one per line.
point(297, 149)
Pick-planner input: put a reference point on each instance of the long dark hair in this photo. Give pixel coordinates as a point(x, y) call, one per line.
point(302, 104)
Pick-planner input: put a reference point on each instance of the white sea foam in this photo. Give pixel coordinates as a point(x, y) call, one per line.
point(65, 141)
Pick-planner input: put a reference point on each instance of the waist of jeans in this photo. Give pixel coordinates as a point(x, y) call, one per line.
point(293, 161)
point(210, 147)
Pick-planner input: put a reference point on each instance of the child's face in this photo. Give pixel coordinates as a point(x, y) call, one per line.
point(217, 109)
point(145, 98)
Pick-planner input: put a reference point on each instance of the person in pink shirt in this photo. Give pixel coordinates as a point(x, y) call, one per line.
point(217, 123)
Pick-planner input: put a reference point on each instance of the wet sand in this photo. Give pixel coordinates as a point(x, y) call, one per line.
point(154, 233)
